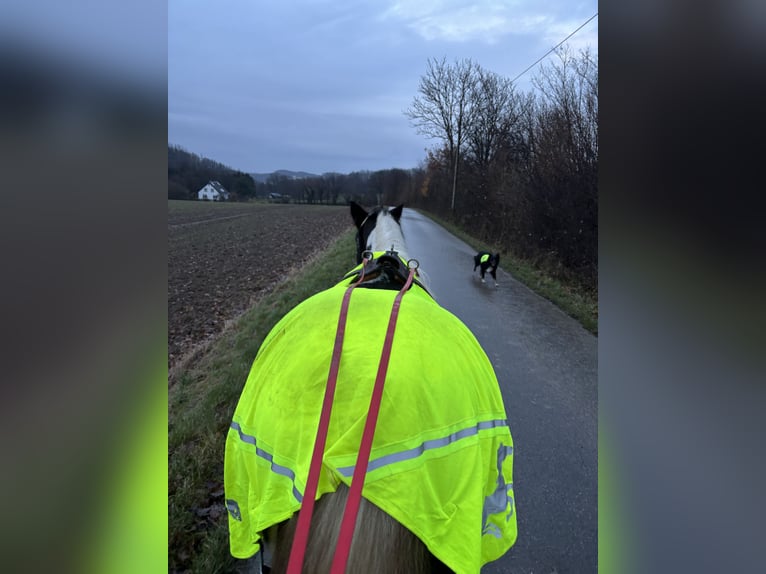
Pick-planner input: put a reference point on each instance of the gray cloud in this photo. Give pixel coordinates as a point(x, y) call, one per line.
point(321, 86)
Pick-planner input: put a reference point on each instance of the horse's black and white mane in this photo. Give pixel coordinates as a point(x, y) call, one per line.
point(378, 230)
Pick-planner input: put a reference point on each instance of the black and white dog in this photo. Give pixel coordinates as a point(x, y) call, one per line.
point(486, 260)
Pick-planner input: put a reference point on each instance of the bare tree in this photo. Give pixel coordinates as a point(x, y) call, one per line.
point(570, 87)
point(566, 161)
point(443, 108)
point(495, 113)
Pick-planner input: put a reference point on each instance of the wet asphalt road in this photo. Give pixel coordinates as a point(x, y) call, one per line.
point(546, 364)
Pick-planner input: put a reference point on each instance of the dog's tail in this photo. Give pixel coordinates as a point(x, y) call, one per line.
point(380, 543)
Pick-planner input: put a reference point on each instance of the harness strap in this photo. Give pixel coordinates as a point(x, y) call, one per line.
point(363, 458)
point(298, 550)
point(391, 265)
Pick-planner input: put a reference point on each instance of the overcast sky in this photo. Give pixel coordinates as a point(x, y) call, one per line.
point(320, 85)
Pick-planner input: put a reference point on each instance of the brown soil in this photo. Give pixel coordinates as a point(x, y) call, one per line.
point(223, 257)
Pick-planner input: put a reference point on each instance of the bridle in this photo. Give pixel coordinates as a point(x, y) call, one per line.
point(387, 271)
point(300, 541)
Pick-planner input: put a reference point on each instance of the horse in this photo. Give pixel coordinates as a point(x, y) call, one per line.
point(407, 466)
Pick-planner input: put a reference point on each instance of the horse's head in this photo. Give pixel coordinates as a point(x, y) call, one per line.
point(378, 229)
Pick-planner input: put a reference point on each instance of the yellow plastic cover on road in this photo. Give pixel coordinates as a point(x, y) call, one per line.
point(442, 456)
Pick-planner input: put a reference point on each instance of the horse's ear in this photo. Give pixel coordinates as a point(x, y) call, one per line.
point(357, 213)
point(396, 212)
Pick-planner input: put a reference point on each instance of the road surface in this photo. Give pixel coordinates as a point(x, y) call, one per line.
point(546, 364)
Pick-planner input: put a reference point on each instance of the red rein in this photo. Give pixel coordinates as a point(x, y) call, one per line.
point(298, 551)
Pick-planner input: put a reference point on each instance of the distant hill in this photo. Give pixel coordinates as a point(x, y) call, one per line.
point(262, 177)
point(189, 172)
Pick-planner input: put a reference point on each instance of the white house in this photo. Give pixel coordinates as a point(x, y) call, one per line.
point(213, 191)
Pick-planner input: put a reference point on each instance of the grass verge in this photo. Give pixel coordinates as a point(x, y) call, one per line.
point(201, 402)
point(570, 296)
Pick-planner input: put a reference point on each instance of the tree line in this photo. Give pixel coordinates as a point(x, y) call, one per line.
point(366, 187)
point(189, 172)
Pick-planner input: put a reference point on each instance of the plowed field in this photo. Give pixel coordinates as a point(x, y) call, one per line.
point(223, 257)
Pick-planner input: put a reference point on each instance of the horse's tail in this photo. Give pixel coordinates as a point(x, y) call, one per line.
point(380, 545)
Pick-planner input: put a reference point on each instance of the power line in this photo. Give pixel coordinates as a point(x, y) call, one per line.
point(554, 47)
